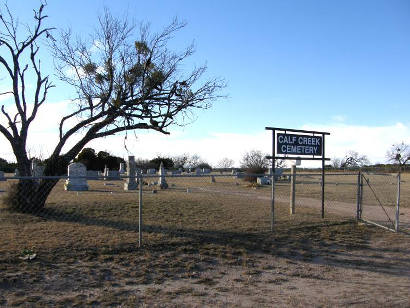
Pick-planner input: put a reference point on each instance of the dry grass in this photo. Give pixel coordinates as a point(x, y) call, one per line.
point(211, 246)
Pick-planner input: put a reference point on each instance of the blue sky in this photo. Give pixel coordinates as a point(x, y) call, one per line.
point(336, 65)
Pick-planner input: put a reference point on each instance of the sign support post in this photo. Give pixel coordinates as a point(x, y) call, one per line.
point(305, 143)
point(272, 208)
point(323, 176)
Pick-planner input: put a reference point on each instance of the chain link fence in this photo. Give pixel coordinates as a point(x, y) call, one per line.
point(107, 217)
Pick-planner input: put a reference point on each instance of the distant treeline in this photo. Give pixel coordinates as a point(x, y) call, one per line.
point(98, 161)
point(6, 166)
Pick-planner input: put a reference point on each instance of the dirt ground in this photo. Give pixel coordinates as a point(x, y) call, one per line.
point(200, 249)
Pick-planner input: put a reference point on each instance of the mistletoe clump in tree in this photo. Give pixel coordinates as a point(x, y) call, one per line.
point(123, 83)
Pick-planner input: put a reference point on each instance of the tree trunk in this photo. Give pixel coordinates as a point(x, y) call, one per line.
point(30, 195)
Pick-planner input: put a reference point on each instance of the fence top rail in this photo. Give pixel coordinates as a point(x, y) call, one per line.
point(379, 173)
point(62, 177)
point(102, 177)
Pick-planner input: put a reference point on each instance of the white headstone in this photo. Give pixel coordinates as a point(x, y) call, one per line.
point(76, 177)
point(122, 168)
point(33, 166)
point(36, 170)
point(162, 182)
point(130, 182)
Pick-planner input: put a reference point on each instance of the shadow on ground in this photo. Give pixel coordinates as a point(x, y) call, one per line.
point(343, 244)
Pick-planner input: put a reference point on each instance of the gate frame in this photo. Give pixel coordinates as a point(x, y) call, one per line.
point(274, 156)
point(396, 223)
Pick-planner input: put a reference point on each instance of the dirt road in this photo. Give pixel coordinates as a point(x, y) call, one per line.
point(383, 215)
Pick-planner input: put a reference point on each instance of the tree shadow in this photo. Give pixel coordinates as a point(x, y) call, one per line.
point(295, 243)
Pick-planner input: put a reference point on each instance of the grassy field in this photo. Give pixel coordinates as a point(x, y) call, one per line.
point(205, 244)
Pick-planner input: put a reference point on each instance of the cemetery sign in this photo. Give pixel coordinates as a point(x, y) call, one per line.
point(299, 144)
point(306, 143)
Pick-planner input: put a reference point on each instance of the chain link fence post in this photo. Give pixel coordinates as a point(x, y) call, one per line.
point(359, 197)
point(272, 206)
point(292, 190)
point(141, 183)
point(398, 204)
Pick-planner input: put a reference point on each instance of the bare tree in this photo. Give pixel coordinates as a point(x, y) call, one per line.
point(180, 160)
point(353, 159)
point(193, 161)
point(399, 154)
point(254, 159)
point(123, 83)
point(225, 163)
point(336, 162)
point(19, 59)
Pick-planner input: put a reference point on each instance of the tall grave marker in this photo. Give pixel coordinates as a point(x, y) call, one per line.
point(130, 182)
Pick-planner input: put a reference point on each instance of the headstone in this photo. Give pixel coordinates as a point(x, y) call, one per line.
point(151, 171)
point(131, 183)
point(76, 177)
point(36, 170)
point(111, 175)
point(278, 173)
point(92, 175)
point(2, 178)
point(122, 168)
point(263, 180)
point(162, 182)
point(33, 166)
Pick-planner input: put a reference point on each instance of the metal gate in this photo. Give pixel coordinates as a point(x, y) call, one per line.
point(378, 201)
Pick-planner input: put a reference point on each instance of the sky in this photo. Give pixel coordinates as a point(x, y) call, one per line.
point(337, 66)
